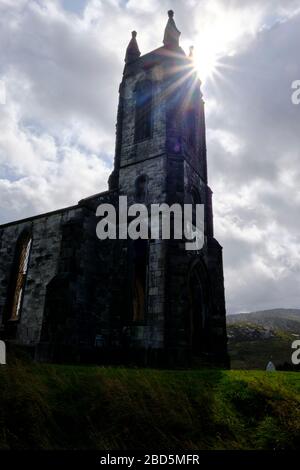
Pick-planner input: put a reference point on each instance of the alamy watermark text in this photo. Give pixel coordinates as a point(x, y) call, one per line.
point(162, 222)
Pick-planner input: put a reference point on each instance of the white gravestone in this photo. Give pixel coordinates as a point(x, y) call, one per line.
point(270, 367)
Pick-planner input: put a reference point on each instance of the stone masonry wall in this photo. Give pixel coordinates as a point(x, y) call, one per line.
point(43, 262)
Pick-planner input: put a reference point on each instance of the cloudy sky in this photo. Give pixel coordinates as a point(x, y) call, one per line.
point(61, 62)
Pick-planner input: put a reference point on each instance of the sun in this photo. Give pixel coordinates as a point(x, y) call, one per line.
point(216, 38)
point(206, 64)
point(206, 59)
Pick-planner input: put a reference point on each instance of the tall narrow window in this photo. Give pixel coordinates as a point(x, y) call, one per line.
point(143, 111)
point(19, 275)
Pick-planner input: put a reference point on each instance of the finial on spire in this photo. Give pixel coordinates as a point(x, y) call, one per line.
point(132, 51)
point(171, 36)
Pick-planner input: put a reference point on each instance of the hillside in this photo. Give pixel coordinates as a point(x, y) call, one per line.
point(257, 337)
point(68, 407)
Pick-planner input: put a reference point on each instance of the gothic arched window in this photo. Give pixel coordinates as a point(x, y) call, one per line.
point(19, 275)
point(143, 111)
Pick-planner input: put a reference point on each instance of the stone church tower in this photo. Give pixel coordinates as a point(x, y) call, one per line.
point(161, 157)
point(118, 301)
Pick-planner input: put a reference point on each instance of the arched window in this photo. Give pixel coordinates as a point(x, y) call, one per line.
point(141, 188)
point(19, 275)
point(143, 111)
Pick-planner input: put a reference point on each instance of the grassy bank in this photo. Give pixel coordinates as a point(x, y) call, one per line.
point(68, 407)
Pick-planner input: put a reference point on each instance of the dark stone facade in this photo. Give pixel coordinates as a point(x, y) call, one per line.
point(124, 301)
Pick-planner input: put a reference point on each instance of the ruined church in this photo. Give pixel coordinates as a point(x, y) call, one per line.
point(67, 296)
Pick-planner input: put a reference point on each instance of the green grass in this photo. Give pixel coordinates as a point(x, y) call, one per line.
point(81, 407)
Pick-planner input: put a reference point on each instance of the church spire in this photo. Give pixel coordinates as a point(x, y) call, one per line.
point(132, 51)
point(171, 36)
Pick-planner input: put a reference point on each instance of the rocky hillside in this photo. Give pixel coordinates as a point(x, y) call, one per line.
point(257, 337)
